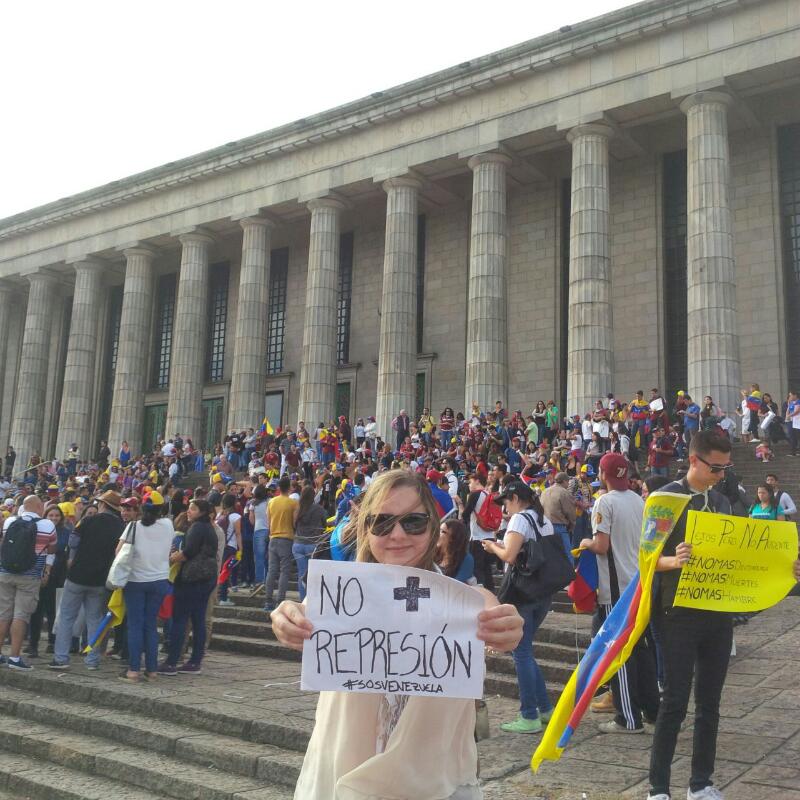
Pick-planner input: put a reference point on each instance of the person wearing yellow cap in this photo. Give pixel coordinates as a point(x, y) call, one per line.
point(147, 585)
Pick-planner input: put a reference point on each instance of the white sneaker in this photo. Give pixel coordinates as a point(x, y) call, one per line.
point(709, 793)
point(660, 796)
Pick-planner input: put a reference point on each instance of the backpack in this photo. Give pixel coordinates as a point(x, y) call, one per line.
point(18, 550)
point(490, 515)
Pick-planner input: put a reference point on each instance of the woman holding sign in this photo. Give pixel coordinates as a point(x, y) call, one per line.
point(384, 745)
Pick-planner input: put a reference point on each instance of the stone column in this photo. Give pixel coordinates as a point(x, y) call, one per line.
point(187, 371)
point(26, 428)
point(74, 424)
point(10, 341)
point(712, 338)
point(249, 375)
point(7, 299)
point(318, 368)
point(397, 348)
point(590, 339)
point(487, 329)
point(130, 379)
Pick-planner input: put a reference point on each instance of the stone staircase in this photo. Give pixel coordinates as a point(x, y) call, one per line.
point(753, 472)
point(559, 644)
point(77, 737)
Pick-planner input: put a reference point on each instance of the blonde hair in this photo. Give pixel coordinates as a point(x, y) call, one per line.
point(374, 498)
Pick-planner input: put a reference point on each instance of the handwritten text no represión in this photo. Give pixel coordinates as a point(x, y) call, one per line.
point(382, 652)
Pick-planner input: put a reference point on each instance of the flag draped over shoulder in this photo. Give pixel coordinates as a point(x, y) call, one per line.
point(623, 628)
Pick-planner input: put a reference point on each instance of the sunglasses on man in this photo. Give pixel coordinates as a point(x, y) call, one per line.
point(414, 523)
point(715, 468)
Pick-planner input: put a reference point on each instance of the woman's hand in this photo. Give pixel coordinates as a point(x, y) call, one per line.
point(500, 627)
point(290, 624)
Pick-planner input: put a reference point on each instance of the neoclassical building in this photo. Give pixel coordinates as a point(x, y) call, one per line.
point(610, 207)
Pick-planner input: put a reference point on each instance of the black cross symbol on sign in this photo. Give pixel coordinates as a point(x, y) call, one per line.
point(411, 594)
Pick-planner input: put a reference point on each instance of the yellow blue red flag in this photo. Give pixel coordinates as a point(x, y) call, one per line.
point(113, 618)
point(623, 628)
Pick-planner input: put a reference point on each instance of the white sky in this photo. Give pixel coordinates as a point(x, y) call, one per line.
point(94, 91)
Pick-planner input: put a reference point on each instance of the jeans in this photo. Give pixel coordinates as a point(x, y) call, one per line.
point(247, 569)
point(483, 565)
point(260, 554)
point(93, 600)
point(302, 553)
point(582, 529)
point(533, 697)
point(142, 601)
point(190, 602)
point(692, 643)
point(639, 426)
point(561, 530)
point(280, 563)
point(662, 471)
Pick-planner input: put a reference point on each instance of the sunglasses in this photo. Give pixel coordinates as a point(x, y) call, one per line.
point(715, 468)
point(414, 524)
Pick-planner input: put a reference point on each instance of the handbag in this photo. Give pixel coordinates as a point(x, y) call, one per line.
point(541, 569)
point(120, 569)
point(200, 569)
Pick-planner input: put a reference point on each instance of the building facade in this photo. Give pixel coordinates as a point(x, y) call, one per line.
point(610, 207)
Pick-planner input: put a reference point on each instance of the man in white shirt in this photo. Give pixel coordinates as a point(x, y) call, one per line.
point(168, 450)
point(785, 503)
point(20, 583)
point(617, 524)
point(452, 479)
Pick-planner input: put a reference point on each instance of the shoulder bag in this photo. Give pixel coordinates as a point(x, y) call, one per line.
point(203, 567)
point(120, 569)
point(541, 569)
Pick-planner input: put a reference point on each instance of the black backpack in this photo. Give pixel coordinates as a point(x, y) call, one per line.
point(18, 550)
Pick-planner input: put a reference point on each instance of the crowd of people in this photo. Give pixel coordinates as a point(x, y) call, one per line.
point(478, 485)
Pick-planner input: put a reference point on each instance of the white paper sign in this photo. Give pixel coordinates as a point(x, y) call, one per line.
point(657, 404)
point(395, 630)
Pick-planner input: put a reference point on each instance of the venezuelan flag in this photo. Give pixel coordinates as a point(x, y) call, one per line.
point(444, 503)
point(583, 590)
point(754, 401)
point(623, 628)
point(113, 618)
point(265, 427)
point(225, 572)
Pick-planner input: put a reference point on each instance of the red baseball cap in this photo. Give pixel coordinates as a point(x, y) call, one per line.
point(614, 467)
point(433, 475)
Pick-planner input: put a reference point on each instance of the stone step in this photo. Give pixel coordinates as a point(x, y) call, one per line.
point(252, 646)
point(137, 730)
point(503, 685)
point(160, 703)
point(23, 777)
point(148, 770)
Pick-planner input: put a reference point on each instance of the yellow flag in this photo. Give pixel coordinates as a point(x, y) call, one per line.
point(737, 564)
point(620, 632)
